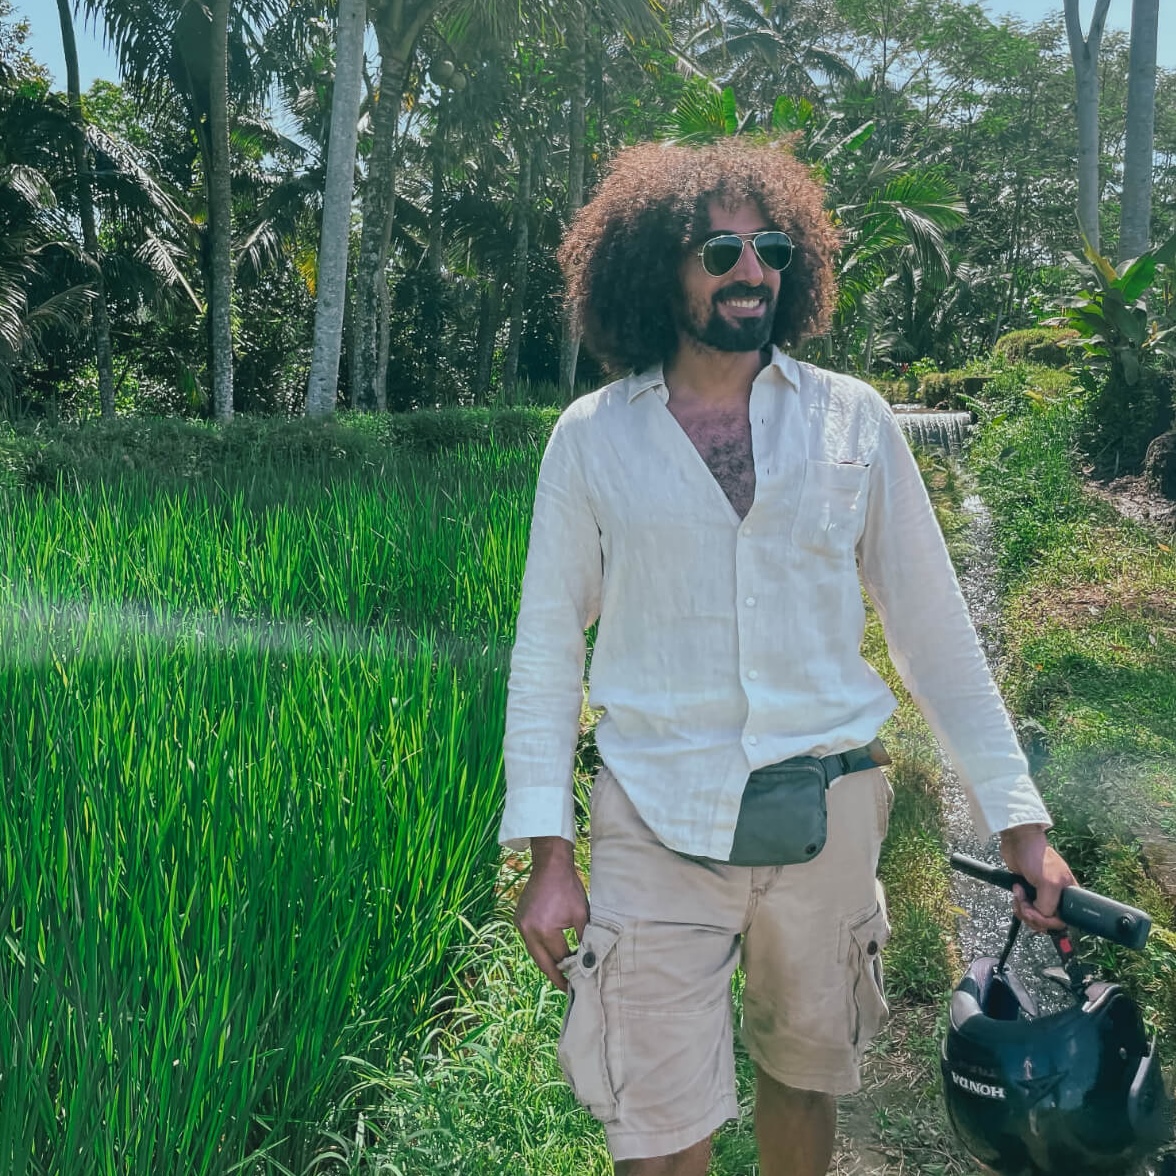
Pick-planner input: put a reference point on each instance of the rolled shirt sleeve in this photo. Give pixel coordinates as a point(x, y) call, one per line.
point(560, 600)
point(908, 574)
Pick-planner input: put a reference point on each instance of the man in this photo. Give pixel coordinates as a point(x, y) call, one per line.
point(713, 510)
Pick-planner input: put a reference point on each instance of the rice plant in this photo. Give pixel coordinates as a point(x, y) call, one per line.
point(251, 748)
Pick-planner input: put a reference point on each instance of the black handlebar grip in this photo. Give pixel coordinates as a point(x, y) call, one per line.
point(1114, 921)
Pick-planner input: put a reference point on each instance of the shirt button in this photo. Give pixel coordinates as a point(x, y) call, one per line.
point(750, 602)
point(753, 674)
point(745, 532)
point(752, 740)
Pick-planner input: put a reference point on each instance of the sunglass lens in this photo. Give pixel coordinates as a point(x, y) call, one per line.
point(721, 254)
point(774, 249)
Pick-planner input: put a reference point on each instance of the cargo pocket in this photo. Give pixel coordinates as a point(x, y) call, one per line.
point(868, 1009)
point(583, 1052)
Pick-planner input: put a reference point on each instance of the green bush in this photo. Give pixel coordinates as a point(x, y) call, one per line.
point(1025, 465)
point(949, 390)
point(903, 390)
point(1044, 345)
point(1050, 383)
point(1126, 357)
point(251, 449)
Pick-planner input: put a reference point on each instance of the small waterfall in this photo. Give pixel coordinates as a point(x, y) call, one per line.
point(931, 429)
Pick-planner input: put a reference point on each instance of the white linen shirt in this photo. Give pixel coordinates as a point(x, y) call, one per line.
point(724, 643)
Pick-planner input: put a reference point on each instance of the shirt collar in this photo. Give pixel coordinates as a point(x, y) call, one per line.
point(654, 378)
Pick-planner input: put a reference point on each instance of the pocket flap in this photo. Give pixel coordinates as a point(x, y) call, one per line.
point(868, 1009)
point(872, 933)
point(599, 939)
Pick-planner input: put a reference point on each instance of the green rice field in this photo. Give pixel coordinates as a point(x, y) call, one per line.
point(251, 751)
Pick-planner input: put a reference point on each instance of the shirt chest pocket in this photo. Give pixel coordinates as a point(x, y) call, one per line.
point(832, 508)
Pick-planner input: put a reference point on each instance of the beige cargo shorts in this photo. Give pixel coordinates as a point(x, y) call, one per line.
point(647, 1036)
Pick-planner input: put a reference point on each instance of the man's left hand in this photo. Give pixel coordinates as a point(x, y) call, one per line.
point(1027, 852)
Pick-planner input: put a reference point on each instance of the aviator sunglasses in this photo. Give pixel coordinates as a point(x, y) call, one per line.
point(720, 254)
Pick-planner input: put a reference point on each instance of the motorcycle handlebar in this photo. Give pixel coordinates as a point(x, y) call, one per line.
point(1089, 912)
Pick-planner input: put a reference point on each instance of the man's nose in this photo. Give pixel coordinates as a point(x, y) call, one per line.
point(749, 268)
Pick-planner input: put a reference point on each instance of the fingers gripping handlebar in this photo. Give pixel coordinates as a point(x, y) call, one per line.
point(1089, 912)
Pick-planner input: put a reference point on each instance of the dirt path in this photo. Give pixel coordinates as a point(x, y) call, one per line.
point(1137, 499)
point(895, 1124)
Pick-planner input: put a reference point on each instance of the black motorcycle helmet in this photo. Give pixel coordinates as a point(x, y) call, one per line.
point(1072, 1093)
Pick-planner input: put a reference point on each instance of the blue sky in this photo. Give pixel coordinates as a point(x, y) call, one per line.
point(97, 62)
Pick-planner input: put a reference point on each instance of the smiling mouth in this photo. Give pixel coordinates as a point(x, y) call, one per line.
point(743, 299)
point(740, 306)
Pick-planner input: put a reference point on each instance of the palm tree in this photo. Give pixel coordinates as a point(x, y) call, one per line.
point(577, 42)
point(895, 231)
point(220, 213)
point(763, 49)
point(42, 296)
point(81, 157)
point(184, 47)
point(1135, 222)
point(1084, 53)
point(331, 279)
point(399, 24)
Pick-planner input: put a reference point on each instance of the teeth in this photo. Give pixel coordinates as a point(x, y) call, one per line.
point(746, 303)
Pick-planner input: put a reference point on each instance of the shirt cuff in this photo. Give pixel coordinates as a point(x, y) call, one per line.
point(1001, 804)
point(546, 811)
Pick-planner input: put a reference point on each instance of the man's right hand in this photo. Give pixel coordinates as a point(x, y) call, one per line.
point(552, 902)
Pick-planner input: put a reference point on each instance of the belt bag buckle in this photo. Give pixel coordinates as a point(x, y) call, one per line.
point(782, 818)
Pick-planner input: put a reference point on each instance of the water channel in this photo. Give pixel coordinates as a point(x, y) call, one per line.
point(984, 926)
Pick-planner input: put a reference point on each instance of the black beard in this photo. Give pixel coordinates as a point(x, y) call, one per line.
point(750, 334)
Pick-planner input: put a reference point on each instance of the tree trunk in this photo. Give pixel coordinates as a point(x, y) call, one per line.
point(1138, 158)
point(104, 352)
point(437, 187)
point(489, 305)
point(338, 191)
point(1084, 54)
point(518, 291)
point(398, 26)
point(1020, 202)
point(220, 213)
point(367, 378)
point(569, 350)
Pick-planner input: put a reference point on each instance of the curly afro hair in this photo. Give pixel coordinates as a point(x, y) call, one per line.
point(622, 253)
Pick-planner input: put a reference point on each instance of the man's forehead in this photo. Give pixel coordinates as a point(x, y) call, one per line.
point(735, 214)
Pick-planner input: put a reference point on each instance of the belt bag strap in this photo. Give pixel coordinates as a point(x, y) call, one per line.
point(858, 759)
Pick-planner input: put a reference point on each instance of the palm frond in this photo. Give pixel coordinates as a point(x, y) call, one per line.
point(160, 257)
point(64, 310)
point(28, 184)
point(702, 115)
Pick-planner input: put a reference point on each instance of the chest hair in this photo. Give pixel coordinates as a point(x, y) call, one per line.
point(724, 443)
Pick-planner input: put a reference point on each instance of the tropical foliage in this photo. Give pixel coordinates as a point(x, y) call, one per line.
point(1127, 351)
point(945, 140)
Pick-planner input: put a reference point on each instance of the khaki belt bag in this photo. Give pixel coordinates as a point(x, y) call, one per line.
point(782, 817)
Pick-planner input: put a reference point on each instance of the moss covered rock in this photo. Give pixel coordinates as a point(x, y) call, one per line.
point(1159, 464)
point(1044, 345)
